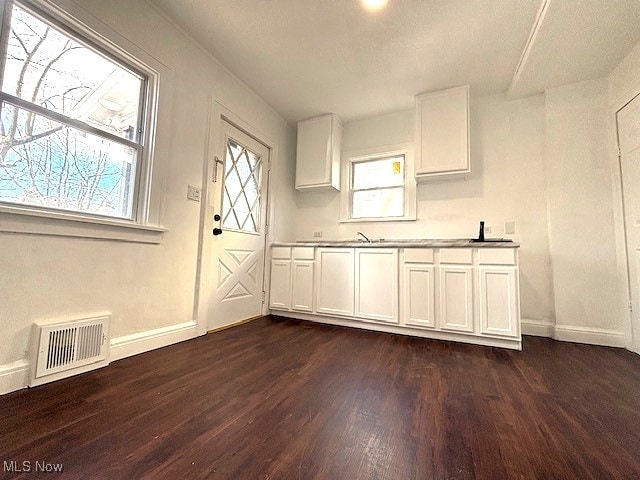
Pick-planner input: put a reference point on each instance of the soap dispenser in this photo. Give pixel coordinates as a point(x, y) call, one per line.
point(481, 233)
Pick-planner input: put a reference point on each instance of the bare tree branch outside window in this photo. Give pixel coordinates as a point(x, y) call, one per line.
point(47, 161)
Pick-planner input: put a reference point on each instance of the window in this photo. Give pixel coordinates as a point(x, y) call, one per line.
point(71, 121)
point(378, 185)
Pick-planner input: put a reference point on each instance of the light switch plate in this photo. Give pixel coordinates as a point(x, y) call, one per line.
point(317, 234)
point(193, 193)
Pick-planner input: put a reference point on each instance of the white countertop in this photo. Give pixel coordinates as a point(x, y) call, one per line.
point(397, 243)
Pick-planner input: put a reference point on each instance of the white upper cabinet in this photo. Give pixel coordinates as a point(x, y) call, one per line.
point(318, 153)
point(442, 133)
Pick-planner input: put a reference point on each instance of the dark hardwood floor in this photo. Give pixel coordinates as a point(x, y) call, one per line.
point(279, 399)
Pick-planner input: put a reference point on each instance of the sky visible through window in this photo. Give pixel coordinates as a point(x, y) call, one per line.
point(378, 188)
point(46, 162)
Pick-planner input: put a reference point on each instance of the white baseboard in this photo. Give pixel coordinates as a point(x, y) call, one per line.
point(571, 333)
point(537, 328)
point(592, 336)
point(14, 376)
point(512, 343)
point(128, 345)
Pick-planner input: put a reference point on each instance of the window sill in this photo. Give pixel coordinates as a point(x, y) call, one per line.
point(372, 220)
point(40, 222)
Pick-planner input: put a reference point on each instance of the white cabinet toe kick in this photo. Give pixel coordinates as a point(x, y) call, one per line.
point(468, 295)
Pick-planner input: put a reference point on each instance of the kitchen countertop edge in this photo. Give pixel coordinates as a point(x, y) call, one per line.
point(427, 243)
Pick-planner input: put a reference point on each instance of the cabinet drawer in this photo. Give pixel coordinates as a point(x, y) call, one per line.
point(303, 253)
point(283, 253)
point(456, 255)
point(497, 256)
point(418, 255)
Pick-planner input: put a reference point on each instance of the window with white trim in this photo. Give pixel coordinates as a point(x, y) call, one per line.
point(378, 185)
point(71, 120)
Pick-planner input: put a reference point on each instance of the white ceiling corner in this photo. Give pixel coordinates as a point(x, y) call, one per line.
point(305, 58)
point(576, 40)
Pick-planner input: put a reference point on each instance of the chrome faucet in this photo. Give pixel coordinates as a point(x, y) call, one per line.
point(365, 237)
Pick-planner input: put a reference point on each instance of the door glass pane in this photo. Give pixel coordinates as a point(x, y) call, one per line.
point(241, 198)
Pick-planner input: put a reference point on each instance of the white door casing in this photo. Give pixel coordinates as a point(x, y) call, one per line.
point(628, 119)
point(238, 244)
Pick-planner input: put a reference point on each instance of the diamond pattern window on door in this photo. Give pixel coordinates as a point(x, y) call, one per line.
point(241, 198)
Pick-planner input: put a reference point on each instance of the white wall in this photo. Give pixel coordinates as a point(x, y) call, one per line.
point(624, 85)
point(587, 287)
point(507, 183)
point(144, 286)
point(624, 80)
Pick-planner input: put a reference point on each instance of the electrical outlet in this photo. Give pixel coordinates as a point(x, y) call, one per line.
point(193, 193)
point(317, 234)
point(510, 227)
point(487, 229)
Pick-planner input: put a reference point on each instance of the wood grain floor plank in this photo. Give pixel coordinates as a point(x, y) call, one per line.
point(282, 399)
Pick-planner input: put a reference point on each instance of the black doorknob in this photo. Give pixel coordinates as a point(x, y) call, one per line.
point(216, 217)
point(217, 231)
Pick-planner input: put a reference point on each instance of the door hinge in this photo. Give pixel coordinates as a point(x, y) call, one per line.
point(264, 296)
point(269, 165)
point(630, 307)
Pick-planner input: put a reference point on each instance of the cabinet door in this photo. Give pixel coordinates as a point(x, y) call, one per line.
point(499, 310)
point(456, 298)
point(318, 153)
point(419, 295)
point(442, 132)
point(302, 286)
point(377, 284)
point(280, 293)
point(334, 281)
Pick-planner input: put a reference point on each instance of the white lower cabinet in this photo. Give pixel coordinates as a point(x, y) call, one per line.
point(302, 285)
point(456, 298)
point(280, 292)
point(292, 279)
point(448, 293)
point(499, 301)
point(419, 299)
point(334, 281)
point(376, 281)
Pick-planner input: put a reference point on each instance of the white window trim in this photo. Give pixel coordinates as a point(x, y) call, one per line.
point(350, 157)
point(147, 228)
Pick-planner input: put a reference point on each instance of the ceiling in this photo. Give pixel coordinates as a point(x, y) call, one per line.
point(309, 57)
point(577, 40)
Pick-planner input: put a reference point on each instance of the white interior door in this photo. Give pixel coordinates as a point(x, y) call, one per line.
point(629, 138)
point(238, 245)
